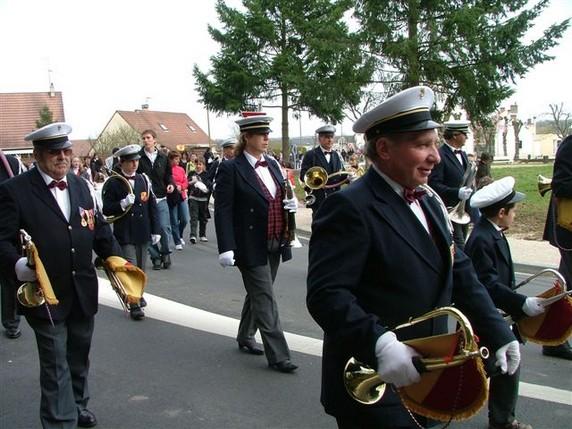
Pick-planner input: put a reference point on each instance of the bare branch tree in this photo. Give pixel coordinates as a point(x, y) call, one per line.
point(562, 120)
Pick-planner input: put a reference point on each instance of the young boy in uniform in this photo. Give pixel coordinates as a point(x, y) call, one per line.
point(489, 250)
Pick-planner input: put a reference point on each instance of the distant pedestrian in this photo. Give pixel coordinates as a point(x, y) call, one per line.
point(177, 200)
point(199, 189)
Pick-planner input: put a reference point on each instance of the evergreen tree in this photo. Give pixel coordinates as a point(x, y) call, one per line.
point(468, 51)
point(297, 53)
point(46, 117)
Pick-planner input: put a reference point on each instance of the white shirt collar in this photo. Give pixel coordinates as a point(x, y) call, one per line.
point(48, 179)
point(453, 149)
point(498, 228)
point(324, 150)
point(252, 160)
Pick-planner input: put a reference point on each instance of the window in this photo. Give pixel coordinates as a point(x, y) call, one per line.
point(163, 127)
point(193, 129)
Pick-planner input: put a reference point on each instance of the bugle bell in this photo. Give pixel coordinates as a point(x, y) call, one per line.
point(454, 356)
point(458, 214)
point(554, 326)
point(317, 178)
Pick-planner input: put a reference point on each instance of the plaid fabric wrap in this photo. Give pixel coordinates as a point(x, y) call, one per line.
point(275, 210)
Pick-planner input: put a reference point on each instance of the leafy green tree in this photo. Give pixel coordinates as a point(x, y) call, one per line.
point(46, 117)
point(298, 54)
point(468, 51)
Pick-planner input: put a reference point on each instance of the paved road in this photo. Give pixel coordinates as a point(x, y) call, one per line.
point(188, 372)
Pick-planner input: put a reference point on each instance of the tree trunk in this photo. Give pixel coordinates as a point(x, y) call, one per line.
point(285, 135)
point(504, 133)
point(516, 126)
point(413, 73)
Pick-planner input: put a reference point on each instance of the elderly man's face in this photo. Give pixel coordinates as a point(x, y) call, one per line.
point(54, 162)
point(326, 141)
point(409, 158)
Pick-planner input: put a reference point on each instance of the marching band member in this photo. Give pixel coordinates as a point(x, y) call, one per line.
point(557, 236)
point(140, 226)
point(323, 156)
point(57, 209)
point(488, 248)
point(10, 166)
point(447, 176)
point(382, 252)
point(249, 220)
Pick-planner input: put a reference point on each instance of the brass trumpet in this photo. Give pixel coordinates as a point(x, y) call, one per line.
point(365, 386)
point(317, 178)
point(115, 269)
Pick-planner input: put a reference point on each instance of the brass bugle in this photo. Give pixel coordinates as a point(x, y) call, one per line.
point(114, 175)
point(116, 284)
point(458, 214)
point(544, 184)
point(365, 385)
point(317, 178)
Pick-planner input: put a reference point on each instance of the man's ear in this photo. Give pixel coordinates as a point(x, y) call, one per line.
point(382, 148)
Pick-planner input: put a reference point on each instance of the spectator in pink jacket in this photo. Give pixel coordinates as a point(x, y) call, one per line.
point(178, 208)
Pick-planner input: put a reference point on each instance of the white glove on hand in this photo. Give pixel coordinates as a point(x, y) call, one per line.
point(226, 259)
point(201, 187)
point(394, 363)
point(291, 204)
point(127, 201)
point(508, 357)
point(533, 306)
point(464, 193)
point(23, 272)
point(155, 238)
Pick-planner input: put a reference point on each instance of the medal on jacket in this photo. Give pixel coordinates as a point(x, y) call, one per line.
point(83, 216)
point(90, 219)
point(143, 196)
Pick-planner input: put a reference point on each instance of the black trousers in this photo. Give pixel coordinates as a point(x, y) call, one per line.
point(10, 318)
point(460, 234)
point(63, 350)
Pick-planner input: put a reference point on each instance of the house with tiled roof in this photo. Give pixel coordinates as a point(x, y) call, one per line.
point(19, 112)
point(173, 129)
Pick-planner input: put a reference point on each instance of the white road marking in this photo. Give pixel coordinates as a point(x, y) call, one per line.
point(194, 318)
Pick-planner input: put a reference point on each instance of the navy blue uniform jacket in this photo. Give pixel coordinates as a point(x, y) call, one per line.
point(561, 188)
point(372, 266)
point(65, 248)
point(241, 212)
point(141, 221)
point(493, 264)
point(447, 176)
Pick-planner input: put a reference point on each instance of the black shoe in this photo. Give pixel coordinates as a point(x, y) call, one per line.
point(284, 366)
point(156, 263)
point(136, 312)
point(86, 419)
point(142, 302)
point(563, 351)
point(166, 261)
point(13, 333)
point(251, 348)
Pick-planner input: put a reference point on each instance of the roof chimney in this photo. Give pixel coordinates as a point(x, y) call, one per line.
point(145, 106)
point(52, 90)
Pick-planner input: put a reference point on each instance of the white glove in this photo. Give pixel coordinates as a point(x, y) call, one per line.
point(533, 306)
point(291, 204)
point(24, 272)
point(508, 357)
point(155, 238)
point(127, 201)
point(201, 187)
point(464, 193)
point(226, 259)
point(394, 363)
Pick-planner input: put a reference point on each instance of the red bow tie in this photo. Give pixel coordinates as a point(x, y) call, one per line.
point(411, 195)
point(61, 185)
point(261, 164)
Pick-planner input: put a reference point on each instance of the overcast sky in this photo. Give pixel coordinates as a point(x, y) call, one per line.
point(108, 55)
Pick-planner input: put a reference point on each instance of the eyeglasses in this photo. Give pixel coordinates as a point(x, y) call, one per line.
point(56, 152)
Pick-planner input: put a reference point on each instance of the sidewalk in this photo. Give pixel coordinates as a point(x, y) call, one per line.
point(528, 256)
